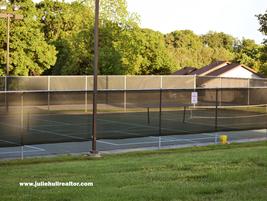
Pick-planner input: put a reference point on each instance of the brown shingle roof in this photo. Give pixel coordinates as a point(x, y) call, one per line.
point(209, 67)
point(185, 71)
point(230, 67)
point(223, 69)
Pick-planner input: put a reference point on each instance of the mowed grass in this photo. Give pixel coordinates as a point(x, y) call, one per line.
point(226, 172)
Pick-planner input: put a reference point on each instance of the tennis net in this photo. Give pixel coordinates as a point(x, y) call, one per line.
point(244, 117)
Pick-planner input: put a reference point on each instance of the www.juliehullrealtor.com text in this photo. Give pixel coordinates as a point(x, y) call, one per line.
point(56, 184)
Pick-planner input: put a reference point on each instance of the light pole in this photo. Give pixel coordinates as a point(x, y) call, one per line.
point(9, 16)
point(96, 52)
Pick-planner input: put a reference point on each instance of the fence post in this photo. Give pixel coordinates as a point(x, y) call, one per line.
point(248, 91)
point(85, 95)
point(148, 115)
point(125, 95)
point(216, 116)
point(161, 81)
point(21, 125)
point(184, 113)
point(216, 111)
point(107, 90)
point(160, 111)
point(6, 94)
point(48, 92)
point(221, 91)
point(195, 82)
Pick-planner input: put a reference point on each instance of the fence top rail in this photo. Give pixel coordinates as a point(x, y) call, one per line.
point(51, 76)
point(125, 90)
point(235, 78)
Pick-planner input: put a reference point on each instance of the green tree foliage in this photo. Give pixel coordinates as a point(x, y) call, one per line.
point(263, 28)
point(219, 40)
point(249, 53)
point(189, 49)
point(67, 27)
point(263, 23)
point(115, 11)
point(153, 55)
point(29, 52)
point(56, 37)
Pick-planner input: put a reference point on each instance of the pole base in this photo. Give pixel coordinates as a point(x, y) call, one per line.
point(94, 154)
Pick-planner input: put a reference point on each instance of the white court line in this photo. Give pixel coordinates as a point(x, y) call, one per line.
point(33, 147)
point(36, 149)
point(18, 152)
point(155, 142)
point(52, 121)
point(73, 124)
point(105, 142)
point(139, 125)
point(50, 132)
point(229, 117)
point(225, 125)
point(9, 142)
point(128, 133)
point(137, 143)
point(45, 131)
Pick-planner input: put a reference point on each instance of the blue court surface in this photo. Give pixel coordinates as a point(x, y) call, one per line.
point(130, 144)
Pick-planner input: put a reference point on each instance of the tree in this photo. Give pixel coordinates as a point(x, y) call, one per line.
point(263, 23)
point(189, 49)
point(219, 40)
point(69, 27)
point(183, 39)
point(263, 28)
point(115, 11)
point(249, 53)
point(29, 52)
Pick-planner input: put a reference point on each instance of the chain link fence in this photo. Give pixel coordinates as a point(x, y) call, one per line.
point(120, 82)
point(56, 109)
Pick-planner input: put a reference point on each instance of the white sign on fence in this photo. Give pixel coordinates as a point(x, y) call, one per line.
point(194, 98)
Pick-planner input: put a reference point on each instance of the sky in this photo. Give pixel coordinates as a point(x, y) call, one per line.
point(234, 17)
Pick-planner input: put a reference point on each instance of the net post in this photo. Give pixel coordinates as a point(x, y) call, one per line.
point(160, 115)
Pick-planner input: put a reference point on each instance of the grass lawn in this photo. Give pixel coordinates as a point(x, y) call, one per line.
point(224, 172)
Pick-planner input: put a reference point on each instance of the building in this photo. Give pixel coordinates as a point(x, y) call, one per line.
point(221, 69)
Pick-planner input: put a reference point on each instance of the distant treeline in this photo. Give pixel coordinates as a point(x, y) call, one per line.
point(56, 38)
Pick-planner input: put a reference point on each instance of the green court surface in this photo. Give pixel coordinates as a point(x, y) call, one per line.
point(40, 131)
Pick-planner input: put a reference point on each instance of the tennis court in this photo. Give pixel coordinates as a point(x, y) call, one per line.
point(43, 134)
point(128, 144)
point(60, 121)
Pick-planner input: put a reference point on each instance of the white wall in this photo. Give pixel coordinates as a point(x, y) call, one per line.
point(239, 72)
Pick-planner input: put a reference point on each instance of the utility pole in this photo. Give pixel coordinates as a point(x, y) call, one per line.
point(9, 17)
point(96, 53)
